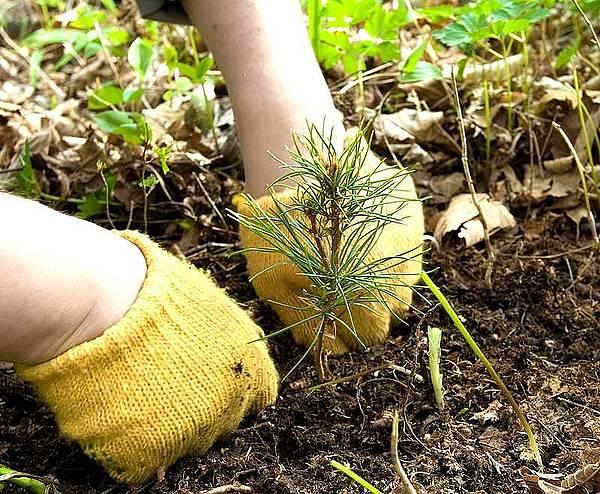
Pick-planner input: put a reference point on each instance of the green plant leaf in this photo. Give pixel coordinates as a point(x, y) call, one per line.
point(131, 126)
point(34, 66)
point(105, 96)
point(183, 84)
point(332, 48)
point(132, 94)
point(94, 203)
point(26, 180)
point(592, 7)
point(314, 10)
point(437, 14)
point(384, 24)
point(422, 72)
point(410, 64)
point(149, 181)
point(87, 19)
point(117, 36)
point(140, 55)
point(565, 56)
point(90, 206)
point(109, 5)
point(469, 29)
point(163, 154)
point(204, 65)
point(503, 28)
point(345, 12)
point(91, 49)
point(44, 37)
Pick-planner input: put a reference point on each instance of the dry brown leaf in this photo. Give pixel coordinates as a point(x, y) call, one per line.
point(506, 186)
point(461, 219)
point(586, 477)
point(15, 92)
point(559, 165)
point(164, 121)
point(594, 96)
point(447, 186)
point(538, 187)
point(577, 214)
point(583, 481)
point(493, 438)
point(533, 229)
point(553, 91)
point(409, 125)
point(490, 414)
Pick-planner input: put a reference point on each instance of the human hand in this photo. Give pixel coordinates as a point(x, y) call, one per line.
point(178, 371)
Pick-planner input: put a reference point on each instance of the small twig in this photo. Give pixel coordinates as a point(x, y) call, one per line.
point(357, 375)
point(145, 162)
point(586, 19)
point(408, 487)
point(581, 405)
point(17, 49)
point(101, 165)
point(581, 172)
point(470, 184)
point(228, 489)
point(130, 218)
point(108, 56)
point(550, 256)
point(212, 204)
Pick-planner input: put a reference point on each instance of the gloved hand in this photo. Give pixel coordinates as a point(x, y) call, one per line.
point(283, 284)
point(177, 372)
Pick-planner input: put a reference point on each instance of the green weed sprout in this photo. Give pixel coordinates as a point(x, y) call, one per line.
point(355, 477)
point(327, 225)
point(26, 481)
point(486, 363)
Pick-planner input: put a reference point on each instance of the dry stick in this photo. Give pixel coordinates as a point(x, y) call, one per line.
point(581, 171)
point(101, 166)
point(357, 375)
point(318, 356)
point(586, 19)
point(212, 204)
point(228, 489)
point(21, 52)
point(408, 487)
point(465, 163)
point(108, 56)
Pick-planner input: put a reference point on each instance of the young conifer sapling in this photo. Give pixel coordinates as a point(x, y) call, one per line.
point(328, 211)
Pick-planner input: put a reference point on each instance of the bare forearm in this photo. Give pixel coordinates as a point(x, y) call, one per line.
point(63, 280)
point(272, 75)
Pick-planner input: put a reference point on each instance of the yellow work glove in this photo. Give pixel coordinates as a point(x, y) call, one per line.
point(178, 371)
point(283, 285)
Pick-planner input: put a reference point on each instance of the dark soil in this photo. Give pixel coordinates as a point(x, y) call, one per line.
point(538, 325)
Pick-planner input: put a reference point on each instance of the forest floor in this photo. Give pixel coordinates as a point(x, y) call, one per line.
point(538, 323)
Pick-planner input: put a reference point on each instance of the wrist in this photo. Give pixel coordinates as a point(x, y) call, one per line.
point(64, 280)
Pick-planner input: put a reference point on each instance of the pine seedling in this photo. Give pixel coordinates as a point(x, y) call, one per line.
point(328, 212)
